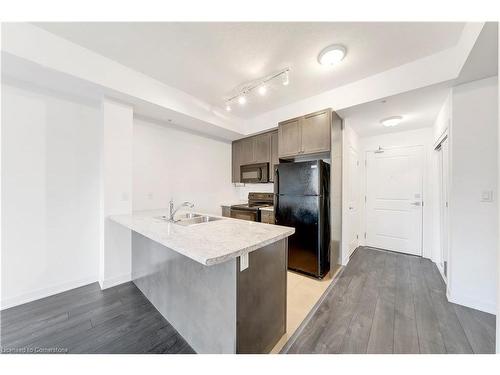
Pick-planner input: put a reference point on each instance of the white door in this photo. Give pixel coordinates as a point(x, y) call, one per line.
point(394, 199)
point(352, 199)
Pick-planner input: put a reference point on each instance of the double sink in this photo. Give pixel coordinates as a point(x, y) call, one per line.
point(189, 219)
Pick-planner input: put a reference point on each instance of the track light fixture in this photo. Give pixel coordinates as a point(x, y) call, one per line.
point(261, 85)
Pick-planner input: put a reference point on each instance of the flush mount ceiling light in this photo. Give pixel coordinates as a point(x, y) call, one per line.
point(391, 121)
point(261, 86)
point(332, 55)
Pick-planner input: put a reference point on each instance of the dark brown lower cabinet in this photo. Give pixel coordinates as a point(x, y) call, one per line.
point(261, 299)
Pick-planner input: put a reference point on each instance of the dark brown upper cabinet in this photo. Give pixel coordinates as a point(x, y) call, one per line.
point(251, 150)
point(309, 134)
point(274, 154)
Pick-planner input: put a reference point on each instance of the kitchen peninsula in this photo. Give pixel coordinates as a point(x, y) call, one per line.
point(220, 282)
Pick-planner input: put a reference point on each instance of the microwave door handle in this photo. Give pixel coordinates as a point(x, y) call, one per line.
point(260, 174)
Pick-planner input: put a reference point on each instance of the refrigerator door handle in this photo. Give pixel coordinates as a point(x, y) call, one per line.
point(276, 181)
point(276, 209)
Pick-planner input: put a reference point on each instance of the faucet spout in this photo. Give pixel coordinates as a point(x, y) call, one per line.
point(173, 211)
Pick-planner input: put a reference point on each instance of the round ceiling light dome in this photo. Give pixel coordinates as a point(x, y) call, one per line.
point(391, 121)
point(332, 55)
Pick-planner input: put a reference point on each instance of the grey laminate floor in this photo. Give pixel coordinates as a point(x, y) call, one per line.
point(89, 320)
point(386, 302)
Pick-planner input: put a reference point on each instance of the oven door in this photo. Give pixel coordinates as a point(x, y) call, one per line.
point(254, 173)
point(250, 215)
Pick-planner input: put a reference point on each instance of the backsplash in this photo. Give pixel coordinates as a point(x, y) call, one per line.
point(242, 190)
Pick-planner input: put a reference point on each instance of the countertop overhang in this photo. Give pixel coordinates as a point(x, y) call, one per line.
point(207, 243)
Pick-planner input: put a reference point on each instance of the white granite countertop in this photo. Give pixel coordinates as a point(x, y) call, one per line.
point(233, 203)
point(270, 208)
point(207, 243)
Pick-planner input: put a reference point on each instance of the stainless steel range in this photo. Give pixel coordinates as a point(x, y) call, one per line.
point(251, 210)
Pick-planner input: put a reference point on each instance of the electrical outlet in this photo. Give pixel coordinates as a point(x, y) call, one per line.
point(243, 262)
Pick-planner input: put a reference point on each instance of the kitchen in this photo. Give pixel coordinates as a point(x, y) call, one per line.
point(171, 215)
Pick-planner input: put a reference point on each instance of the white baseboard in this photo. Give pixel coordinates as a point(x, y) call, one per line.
point(45, 292)
point(114, 281)
point(472, 302)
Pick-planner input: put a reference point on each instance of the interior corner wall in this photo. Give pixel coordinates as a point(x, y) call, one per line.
point(416, 137)
point(50, 193)
point(474, 170)
point(116, 192)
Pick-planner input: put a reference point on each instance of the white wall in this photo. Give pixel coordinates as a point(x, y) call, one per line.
point(50, 194)
point(242, 190)
point(498, 228)
point(417, 137)
point(474, 169)
point(170, 163)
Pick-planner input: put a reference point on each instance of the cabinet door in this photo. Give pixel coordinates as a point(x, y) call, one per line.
point(247, 151)
point(262, 148)
point(274, 155)
point(316, 132)
point(289, 137)
point(236, 161)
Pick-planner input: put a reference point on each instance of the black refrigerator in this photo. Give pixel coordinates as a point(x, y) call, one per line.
point(302, 201)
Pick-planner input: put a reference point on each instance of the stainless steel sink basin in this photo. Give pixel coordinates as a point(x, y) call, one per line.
point(197, 219)
point(185, 216)
point(188, 215)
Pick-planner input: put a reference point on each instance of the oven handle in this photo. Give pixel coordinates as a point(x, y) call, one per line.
point(251, 213)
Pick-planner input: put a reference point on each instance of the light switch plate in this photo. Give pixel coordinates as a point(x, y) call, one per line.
point(243, 262)
point(487, 196)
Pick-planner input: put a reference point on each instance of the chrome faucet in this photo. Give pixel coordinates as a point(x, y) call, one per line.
point(173, 211)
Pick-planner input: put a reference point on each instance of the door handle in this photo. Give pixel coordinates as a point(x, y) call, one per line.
point(416, 204)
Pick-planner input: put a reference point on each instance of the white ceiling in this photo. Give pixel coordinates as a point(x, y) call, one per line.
point(419, 109)
point(208, 60)
point(483, 59)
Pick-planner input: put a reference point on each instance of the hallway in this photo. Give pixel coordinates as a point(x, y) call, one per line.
point(386, 302)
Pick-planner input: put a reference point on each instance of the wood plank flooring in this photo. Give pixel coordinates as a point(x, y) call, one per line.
point(386, 302)
point(382, 303)
point(90, 320)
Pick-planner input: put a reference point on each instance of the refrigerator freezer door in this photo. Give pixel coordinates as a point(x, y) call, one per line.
point(298, 178)
point(302, 213)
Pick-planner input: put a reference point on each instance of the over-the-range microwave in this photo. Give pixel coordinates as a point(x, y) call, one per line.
point(254, 173)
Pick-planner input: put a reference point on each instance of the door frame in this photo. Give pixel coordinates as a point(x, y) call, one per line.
point(424, 205)
point(356, 172)
point(444, 210)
